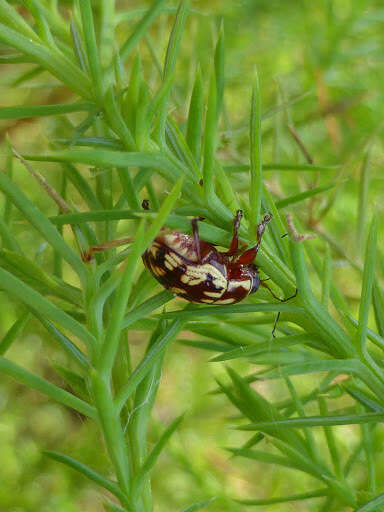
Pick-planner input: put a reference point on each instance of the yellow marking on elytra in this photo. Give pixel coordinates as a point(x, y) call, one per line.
point(158, 271)
point(197, 274)
point(154, 249)
point(174, 257)
point(154, 270)
point(171, 260)
point(195, 282)
point(207, 301)
point(246, 284)
point(185, 278)
point(214, 294)
point(168, 265)
point(178, 291)
point(225, 301)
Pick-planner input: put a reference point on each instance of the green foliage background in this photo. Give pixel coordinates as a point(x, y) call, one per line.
point(325, 60)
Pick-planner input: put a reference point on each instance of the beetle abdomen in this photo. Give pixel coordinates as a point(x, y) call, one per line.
point(196, 282)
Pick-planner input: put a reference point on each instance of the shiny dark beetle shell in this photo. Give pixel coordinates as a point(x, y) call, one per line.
point(196, 271)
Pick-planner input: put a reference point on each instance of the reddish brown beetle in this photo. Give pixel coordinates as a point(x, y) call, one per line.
point(196, 271)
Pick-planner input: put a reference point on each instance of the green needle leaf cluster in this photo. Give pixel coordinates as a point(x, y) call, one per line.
point(117, 142)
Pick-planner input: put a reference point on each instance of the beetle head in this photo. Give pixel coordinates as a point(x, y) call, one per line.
point(255, 277)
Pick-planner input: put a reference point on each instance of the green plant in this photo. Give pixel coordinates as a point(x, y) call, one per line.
point(128, 133)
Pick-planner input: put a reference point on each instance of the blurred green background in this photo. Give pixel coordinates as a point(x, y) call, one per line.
point(324, 59)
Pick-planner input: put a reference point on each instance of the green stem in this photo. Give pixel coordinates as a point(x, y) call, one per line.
point(112, 430)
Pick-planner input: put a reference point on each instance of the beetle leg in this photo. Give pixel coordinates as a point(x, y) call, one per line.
point(262, 283)
point(87, 256)
point(196, 237)
point(249, 255)
point(235, 239)
point(275, 324)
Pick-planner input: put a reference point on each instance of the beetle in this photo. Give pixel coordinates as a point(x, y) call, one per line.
point(196, 271)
